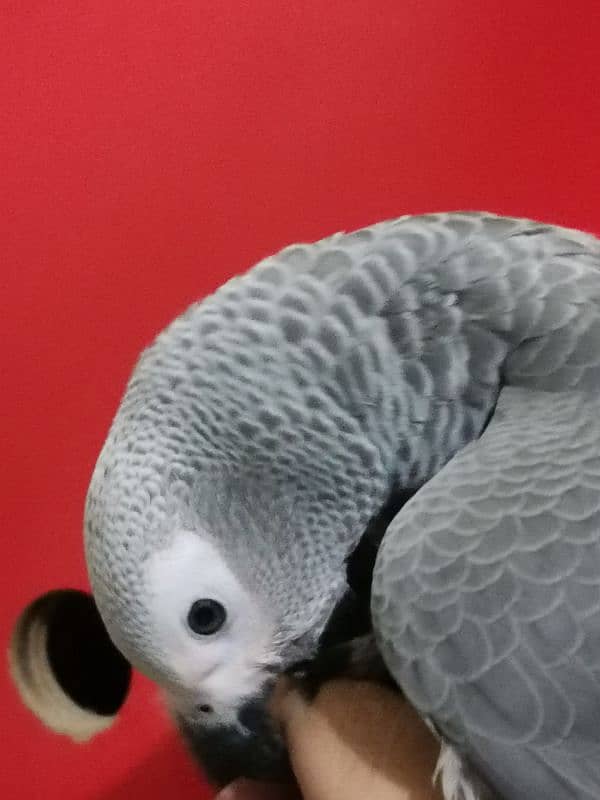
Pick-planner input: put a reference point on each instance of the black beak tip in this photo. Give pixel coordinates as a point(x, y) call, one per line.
point(253, 749)
point(252, 715)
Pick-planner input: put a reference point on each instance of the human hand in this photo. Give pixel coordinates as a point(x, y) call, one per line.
point(355, 740)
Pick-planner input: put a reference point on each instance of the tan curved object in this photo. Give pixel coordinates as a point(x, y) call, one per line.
point(40, 692)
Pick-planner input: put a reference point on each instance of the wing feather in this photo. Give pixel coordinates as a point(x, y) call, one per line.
point(500, 644)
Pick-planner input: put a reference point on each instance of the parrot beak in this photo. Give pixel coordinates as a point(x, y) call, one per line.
point(252, 748)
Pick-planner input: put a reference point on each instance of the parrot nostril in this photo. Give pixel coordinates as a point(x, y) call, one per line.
point(205, 708)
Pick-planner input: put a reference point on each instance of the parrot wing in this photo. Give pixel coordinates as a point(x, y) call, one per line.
point(486, 597)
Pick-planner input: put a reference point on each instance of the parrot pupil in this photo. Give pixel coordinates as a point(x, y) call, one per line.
point(206, 617)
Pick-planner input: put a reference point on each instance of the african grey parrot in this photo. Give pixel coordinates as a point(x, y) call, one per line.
point(451, 361)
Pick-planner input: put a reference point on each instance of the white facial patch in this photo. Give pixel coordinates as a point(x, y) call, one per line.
point(218, 670)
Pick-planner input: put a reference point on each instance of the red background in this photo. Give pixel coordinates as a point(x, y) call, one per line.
point(153, 148)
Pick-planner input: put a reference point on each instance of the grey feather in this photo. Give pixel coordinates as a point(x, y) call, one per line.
point(514, 679)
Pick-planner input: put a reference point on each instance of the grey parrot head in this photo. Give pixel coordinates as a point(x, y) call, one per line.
point(219, 517)
point(200, 613)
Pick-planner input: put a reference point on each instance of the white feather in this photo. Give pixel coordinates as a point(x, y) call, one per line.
point(450, 772)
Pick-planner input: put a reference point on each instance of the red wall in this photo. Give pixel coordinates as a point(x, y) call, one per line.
point(152, 149)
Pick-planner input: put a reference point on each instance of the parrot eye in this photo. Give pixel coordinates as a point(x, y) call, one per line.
point(206, 617)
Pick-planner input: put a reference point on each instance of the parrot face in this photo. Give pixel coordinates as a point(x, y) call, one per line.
point(215, 655)
point(211, 632)
point(211, 644)
point(217, 639)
